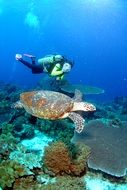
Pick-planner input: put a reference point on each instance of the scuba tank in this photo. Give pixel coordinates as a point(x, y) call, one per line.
point(49, 59)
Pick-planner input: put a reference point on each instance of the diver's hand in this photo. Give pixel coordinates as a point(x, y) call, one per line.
point(18, 56)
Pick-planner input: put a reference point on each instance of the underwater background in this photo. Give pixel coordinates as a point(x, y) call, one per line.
point(90, 32)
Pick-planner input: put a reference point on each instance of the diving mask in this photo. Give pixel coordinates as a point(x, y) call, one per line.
point(66, 68)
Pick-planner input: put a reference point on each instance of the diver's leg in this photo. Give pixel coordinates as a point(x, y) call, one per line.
point(35, 68)
point(26, 63)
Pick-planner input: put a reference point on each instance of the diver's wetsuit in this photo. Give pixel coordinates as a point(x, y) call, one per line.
point(35, 68)
point(53, 69)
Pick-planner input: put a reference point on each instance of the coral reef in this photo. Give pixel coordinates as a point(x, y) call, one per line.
point(61, 183)
point(60, 129)
point(106, 136)
point(9, 171)
point(7, 144)
point(26, 183)
point(67, 183)
point(29, 160)
point(24, 131)
point(108, 147)
point(57, 159)
point(117, 109)
point(6, 128)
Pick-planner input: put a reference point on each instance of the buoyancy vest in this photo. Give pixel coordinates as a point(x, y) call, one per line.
point(53, 64)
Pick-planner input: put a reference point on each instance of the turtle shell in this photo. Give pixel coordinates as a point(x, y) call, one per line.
point(46, 104)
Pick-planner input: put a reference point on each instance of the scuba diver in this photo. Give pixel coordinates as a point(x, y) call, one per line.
point(54, 65)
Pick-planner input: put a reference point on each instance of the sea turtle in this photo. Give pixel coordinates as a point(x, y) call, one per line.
point(55, 105)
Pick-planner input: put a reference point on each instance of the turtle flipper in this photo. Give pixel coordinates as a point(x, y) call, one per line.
point(78, 121)
point(78, 96)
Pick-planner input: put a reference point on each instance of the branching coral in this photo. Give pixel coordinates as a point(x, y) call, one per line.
point(67, 183)
point(25, 183)
point(61, 183)
point(9, 171)
point(29, 160)
point(6, 128)
point(7, 144)
point(79, 166)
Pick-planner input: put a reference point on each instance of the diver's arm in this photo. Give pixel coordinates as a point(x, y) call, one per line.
point(56, 70)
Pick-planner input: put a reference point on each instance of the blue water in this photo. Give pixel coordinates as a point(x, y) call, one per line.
point(91, 32)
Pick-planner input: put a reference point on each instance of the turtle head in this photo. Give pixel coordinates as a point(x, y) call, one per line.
point(88, 107)
point(83, 106)
point(17, 104)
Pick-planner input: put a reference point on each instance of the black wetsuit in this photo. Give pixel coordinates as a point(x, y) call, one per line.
point(36, 69)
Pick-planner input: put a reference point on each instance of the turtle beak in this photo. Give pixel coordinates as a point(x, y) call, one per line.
point(93, 108)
